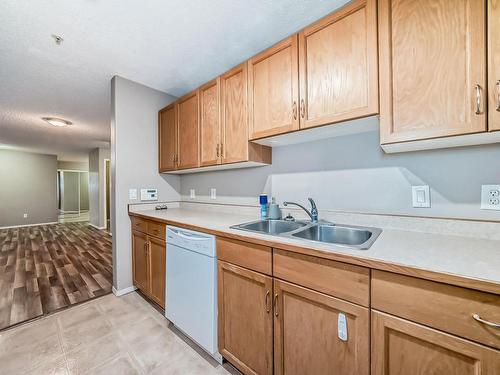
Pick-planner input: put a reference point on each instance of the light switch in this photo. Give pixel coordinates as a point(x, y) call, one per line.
point(132, 194)
point(213, 193)
point(421, 196)
point(192, 193)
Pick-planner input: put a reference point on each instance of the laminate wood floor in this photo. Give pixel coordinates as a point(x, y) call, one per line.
point(49, 267)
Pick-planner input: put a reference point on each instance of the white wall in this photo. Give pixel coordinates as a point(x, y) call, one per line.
point(97, 188)
point(352, 173)
point(134, 163)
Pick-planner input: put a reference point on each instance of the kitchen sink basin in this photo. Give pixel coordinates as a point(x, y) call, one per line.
point(325, 232)
point(339, 235)
point(271, 226)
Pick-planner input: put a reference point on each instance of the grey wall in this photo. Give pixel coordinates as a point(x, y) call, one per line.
point(28, 184)
point(70, 192)
point(73, 165)
point(352, 173)
point(97, 192)
point(84, 191)
point(134, 163)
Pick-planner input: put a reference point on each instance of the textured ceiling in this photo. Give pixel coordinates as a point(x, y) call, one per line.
point(172, 46)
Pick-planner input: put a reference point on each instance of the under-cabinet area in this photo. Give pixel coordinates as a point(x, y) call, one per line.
point(294, 310)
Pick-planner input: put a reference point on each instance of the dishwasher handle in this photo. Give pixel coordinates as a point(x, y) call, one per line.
point(187, 235)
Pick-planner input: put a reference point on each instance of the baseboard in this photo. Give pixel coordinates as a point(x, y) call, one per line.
point(123, 291)
point(96, 227)
point(30, 225)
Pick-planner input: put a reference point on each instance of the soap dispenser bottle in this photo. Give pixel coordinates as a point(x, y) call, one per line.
point(263, 206)
point(274, 210)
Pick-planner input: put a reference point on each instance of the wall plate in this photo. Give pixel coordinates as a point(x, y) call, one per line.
point(490, 197)
point(421, 197)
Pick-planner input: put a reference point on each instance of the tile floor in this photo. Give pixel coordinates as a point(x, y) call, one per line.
point(108, 335)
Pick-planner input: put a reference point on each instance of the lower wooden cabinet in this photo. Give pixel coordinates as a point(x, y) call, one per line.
point(402, 347)
point(306, 334)
point(140, 261)
point(245, 318)
point(149, 266)
point(157, 270)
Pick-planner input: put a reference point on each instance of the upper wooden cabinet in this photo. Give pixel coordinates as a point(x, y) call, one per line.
point(188, 131)
point(234, 115)
point(167, 138)
point(402, 347)
point(494, 64)
point(210, 130)
point(338, 66)
point(432, 69)
point(273, 90)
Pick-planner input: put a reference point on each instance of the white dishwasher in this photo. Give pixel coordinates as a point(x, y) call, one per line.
point(191, 300)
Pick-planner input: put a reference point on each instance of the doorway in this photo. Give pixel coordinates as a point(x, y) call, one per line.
point(73, 195)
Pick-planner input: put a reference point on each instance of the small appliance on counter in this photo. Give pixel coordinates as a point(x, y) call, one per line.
point(191, 292)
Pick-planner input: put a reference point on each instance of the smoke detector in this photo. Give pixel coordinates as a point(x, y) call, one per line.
point(58, 39)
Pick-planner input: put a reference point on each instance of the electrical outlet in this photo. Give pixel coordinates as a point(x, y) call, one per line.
point(25, 216)
point(192, 193)
point(213, 193)
point(490, 197)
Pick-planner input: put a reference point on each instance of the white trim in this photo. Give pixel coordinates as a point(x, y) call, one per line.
point(103, 209)
point(444, 142)
point(30, 225)
point(123, 291)
point(96, 227)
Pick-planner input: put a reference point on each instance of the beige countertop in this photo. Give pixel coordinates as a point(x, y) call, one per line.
point(465, 261)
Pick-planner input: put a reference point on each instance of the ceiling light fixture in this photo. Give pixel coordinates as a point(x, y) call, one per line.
point(57, 121)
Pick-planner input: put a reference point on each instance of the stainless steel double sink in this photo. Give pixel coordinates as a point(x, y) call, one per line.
point(325, 232)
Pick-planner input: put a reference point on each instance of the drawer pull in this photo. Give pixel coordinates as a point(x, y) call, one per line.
point(489, 324)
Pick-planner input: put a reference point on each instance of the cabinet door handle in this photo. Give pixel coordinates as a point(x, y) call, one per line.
point(217, 150)
point(302, 108)
point(276, 312)
point(294, 110)
point(498, 95)
point(221, 150)
point(268, 301)
point(478, 99)
point(477, 318)
point(173, 158)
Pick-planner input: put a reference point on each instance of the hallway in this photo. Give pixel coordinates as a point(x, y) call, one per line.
point(49, 267)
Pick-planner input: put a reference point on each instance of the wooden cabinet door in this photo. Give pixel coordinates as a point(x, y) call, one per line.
point(402, 347)
point(140, 261)
point(234, 115)
point(210, 132)
point(188, 128)
point(157, 270)
point(306, 335)
point(432, 61)
point(494, 64)
point(245, 319)
point(273, 90)
point(338, 66)
point(167, 138)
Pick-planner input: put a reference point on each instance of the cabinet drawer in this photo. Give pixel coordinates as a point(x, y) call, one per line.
point(245, 254)
point(139, 224)
point(156, 229)
point(346, 281)
point(442, 306)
